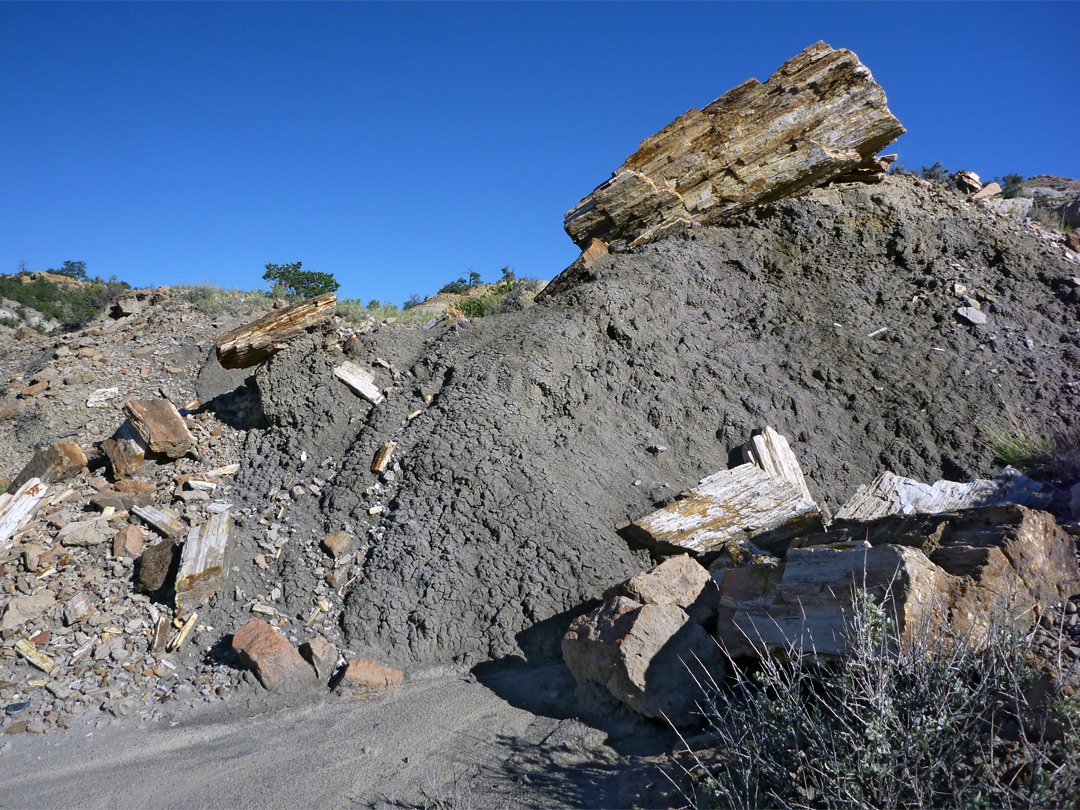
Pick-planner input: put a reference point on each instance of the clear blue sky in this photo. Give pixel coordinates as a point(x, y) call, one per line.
point(398, 146)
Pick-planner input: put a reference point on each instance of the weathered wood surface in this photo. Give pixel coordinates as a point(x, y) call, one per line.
point(254, 342)
point(770, 451)
point(51, 464)
point(18, 507)
point(890, 494)
point(360, 380)
point(818, 117)
point(382, 458)
point(744, 504)
point(126, 450)
point(166, 522)
point(160, 425)
point(203, 563)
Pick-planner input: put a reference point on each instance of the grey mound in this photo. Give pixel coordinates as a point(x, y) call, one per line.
point(532, 441)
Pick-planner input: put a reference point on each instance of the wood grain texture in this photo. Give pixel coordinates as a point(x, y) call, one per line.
point(256, 341)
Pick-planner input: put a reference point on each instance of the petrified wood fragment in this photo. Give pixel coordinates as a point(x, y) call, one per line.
point(818, 117)
point(253, 343)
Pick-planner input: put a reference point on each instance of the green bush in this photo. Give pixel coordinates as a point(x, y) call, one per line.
point(459, 287)
point(73, 305)
point(214, 301)
point(415, 300)
point(75, 270)
point(935, 721)
point(936, 173)
point(1011, 186)
point(290, 280)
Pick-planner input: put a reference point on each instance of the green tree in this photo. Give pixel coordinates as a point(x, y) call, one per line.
point(293, 281)
point(936, 173)
point(455, 287)
point(415, 300)
point(474, 279)
point(75, 270)
point(1010, 186)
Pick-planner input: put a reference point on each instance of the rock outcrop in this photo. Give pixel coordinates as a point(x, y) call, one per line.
point(820, 116)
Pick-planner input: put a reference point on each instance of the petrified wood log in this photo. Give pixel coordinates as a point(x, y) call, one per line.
point(818, 117)
point(256, 341)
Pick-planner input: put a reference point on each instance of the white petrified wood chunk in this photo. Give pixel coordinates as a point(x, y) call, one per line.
point(202, 565)
point(770, 450)
point(731, 506)
point(891, 494)
point(359, 380)
point(18, 507)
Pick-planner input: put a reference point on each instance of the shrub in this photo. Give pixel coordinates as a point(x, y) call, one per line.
point(1011, 186)
point(9, 321)
point(938, 721)
point(75, 270)
point(936, 173)
point(458, 287)
point(213, 301)
point(415, 300)
point(291, 281)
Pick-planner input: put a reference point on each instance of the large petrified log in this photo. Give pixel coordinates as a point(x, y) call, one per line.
point(818, 117)
point(254, 342)
point(970, 569)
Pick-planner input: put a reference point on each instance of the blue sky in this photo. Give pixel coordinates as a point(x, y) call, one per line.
point(398, 146)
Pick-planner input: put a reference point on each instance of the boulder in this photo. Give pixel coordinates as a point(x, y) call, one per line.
point(1017, 206)
point(322, 655)
point(1070, 213)
point(966, 182)
point(818, 117)
point(21, 609)
point(52, 464)
point(971, 569)
point(275, 661)
point(363, 678)
point(989, 190)
point(648, 657)
point(681, 581)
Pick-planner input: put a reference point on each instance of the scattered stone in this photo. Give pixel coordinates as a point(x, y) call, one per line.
point(18, 507)
point(165, 521)
point(972, 316)
point(102, 397)
point(337, 544)
point(681, 581)
point(21, 609)
point(275, 662)
point(77, 609)
point(52, 464)
point(382, 458)
point(203, 562)
point(154, 566)
point(34, 657)
point(128, 542)
point(989, 190)
point(160, 426)
point(85, 533)
point(322, 655)
point(126, 450)
point(363, 678)
point(360, 380)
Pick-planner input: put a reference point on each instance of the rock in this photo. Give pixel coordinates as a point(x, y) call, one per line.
point(971, 569)
point(203, 562)
point(160, 425)
point(256, 341)
point(579, 270)
point(52, 464)
point(120, 501)
point(322, 655)
point(128, 305)
point(891, 494)
point(165, 521)
point(13, 409)
point(966, 182)
point(85, 533)
point(128, 542)
point(873, 169)
point(646, 656)
point(360, 380)
point(681, 581)
point(744, 504)
point(337, 544)
point(1017, 206)
point(1072, 241)
point(19, 506)
point(34, 656)
point(972, 316)
point(818, 117)
point(1070, 213)
point(154, 566)
point(125, 449)
point(989, 190)
point(77, 608)
point(21, 609)
point(266, 652)
point(102, 397)
point(363, 678)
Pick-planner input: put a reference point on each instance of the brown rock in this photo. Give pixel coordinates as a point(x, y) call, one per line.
point(13, 409)
point(967, 182)
point(128, 542)
point(367, 679)
point(132, 486)
point(155, 565)
point(92, 532)
point(125, 449)
point(646, 656)
point(322, 655)
point(819, 116)
point(989, 190)
point(24, 333)
point(35, 389)
point(160, 425)
point(77, 608)
point(580, 270)
point(681, 581)
point(336, 544)
point(1072, 241)
point(51, 464)
point(21, 609)
point(270, 656)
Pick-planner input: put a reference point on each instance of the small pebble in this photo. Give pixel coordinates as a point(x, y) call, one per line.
point(13, 709)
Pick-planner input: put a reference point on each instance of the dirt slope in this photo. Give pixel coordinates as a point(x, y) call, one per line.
point(539, 431)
